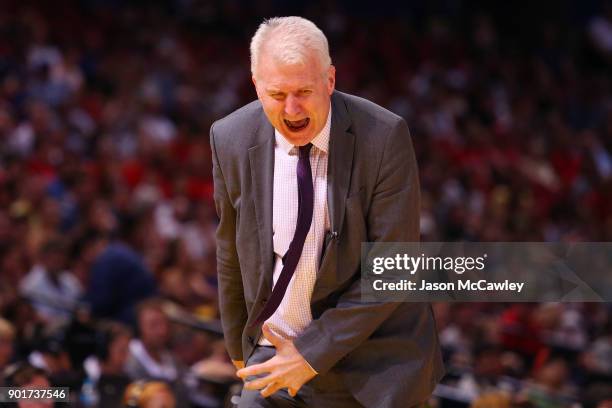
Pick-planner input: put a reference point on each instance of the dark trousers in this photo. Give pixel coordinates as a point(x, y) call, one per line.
point(326, 390)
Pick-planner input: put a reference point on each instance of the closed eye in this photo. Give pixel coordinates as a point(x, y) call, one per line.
point(278, 96)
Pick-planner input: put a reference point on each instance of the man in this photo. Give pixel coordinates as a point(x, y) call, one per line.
point(118, 277)
point(106, 375)
point(149, 355)
point(26, 376)
point(302, 177)
point(53, 291)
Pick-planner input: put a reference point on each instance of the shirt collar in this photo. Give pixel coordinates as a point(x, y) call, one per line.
point(321, 141)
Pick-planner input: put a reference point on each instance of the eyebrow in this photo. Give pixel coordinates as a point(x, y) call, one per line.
point(278, 91)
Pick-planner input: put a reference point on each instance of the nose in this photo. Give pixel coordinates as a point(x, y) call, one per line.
point(292, 106)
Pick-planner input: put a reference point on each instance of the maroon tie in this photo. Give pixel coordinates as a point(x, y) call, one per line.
point(304, 219)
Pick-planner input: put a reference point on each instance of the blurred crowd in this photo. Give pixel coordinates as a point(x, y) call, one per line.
point(107, 251)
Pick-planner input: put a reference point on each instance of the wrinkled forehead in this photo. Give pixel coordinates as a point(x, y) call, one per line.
point(292, 79)
point(273, 67)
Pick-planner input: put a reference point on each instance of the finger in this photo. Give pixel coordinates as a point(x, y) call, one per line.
point(270, 389)
point(260, 383)
point(293, 391)
point(238, 364)
point(272, 337)
point(255, 369)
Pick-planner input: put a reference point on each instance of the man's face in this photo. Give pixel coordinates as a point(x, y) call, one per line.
point(295, 98)
point(154, 328)
point(118, 351)
point(38, 382)
point(54, 262)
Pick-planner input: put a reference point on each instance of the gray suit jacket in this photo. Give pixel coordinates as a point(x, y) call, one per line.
point(387, 353)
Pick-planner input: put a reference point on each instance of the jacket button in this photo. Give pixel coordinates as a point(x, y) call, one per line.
point(264, 301)
point(251, 339)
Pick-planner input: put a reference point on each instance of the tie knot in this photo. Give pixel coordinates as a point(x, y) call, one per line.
point(305, 150)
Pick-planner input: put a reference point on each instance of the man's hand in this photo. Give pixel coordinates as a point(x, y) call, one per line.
point(288, 369)
point(238, 364)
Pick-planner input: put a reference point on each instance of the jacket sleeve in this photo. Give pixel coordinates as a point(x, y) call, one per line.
point(393, 217)
point(231, 295)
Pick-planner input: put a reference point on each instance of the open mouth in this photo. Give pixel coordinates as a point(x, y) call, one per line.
point(297, 125)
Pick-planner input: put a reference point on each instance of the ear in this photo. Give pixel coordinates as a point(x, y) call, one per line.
point(331, 79)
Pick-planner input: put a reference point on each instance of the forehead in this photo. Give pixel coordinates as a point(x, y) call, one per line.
point(38, 380)
point(274, 74)
point(151, 313)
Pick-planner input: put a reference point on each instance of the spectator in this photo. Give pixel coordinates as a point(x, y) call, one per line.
point(51, 355)
point(150, 357)
point(106, 369)
point(551, 387)
point(53, 291)
point(28, 376)
point(118, 279)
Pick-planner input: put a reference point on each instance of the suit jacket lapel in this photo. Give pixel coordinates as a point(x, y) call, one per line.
point(261, 159)
point(341, 146)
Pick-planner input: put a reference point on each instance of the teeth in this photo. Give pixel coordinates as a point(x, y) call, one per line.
point(297, 124)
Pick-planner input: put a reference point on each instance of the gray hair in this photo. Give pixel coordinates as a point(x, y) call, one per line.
point(294, 37)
